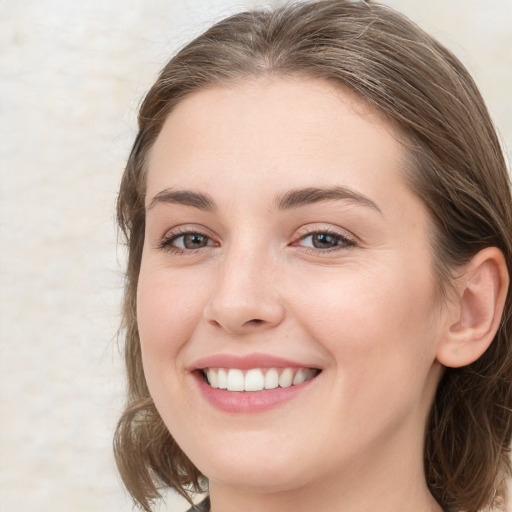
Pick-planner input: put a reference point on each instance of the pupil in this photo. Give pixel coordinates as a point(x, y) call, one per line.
point(324, 241)
point(194, 241)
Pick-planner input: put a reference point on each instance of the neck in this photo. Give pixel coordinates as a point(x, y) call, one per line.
point(390, 480)
point(327, 497)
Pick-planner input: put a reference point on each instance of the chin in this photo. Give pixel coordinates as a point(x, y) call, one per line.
point(256, 479)
point(256, 470)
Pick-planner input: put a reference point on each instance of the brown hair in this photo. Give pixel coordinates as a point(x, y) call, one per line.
point(456, 167)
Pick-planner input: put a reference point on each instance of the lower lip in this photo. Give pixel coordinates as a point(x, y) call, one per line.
point(248, 401)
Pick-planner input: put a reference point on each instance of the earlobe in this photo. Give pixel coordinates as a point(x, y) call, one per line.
point(476, 310)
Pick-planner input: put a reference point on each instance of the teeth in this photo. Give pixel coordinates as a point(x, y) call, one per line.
point(300, 377)
point(235, 380)
point(257, 379)
point(254, 380)
point(213, 378)
point(222, 379)
point(271, 379)
point(286, 378)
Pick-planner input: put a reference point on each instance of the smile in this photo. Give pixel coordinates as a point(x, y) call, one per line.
point(257, 379)
point(252, 383)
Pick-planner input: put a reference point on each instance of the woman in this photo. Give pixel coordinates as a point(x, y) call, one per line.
point(318, 217)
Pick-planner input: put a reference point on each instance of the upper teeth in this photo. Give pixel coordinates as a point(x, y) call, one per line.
point(257, 379)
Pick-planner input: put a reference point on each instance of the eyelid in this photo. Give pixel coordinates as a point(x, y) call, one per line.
point(165, 242)
point(311, 229)
point(348, 239)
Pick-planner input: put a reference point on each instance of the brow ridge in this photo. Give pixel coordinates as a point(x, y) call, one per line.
point(292, 199)
point(309, 195)
point(184, 197)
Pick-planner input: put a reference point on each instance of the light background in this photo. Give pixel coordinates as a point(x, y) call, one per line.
point(71, 77)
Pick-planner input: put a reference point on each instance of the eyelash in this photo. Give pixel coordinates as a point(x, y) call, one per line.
point(344, 242)
point(166, 244)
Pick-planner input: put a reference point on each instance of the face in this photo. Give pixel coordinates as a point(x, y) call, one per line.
point(286, 259)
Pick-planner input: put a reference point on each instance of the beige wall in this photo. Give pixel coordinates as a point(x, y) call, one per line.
point(71, 76)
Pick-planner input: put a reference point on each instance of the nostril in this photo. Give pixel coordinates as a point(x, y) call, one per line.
point(255, 321)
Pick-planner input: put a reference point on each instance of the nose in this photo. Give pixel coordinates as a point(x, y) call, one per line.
point(245, 297)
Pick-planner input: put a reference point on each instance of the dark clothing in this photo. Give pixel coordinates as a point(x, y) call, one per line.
point(204, 506)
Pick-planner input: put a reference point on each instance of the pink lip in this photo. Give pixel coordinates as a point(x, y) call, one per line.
point(246, 401)
point(245, 362)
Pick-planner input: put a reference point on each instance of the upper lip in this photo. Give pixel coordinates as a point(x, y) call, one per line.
point(246, 362)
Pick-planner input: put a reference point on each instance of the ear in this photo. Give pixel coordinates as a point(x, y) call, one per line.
point(475, 313)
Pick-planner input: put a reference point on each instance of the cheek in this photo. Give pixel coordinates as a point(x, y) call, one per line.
point(378, 324)
point(168, 311)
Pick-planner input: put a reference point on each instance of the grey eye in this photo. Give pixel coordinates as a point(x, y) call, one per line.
point(191, 241)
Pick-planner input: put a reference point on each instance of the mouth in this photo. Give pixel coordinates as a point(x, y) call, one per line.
point(256, 379)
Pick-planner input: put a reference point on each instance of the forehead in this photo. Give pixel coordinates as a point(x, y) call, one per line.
point(275, 133)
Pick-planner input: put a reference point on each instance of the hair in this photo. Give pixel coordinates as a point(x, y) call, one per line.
point(456, 167)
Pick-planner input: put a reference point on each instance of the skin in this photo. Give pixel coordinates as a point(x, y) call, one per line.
point(367, 312)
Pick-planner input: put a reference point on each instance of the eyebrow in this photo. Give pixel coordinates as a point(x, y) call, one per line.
point(292, 199)
point(184, 197)
point(304, 196)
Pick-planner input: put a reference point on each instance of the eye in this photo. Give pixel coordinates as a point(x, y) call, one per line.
point(189, 241)
point(325, 240)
